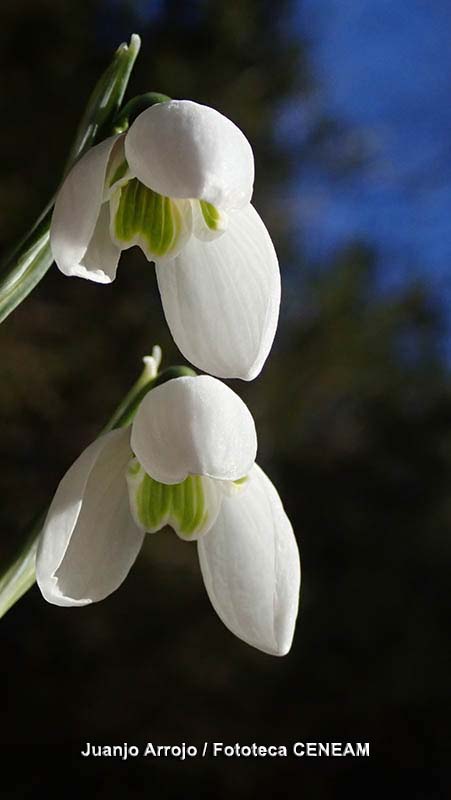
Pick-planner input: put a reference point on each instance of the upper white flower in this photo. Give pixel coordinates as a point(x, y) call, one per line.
point(188, 460)
point(178, 184)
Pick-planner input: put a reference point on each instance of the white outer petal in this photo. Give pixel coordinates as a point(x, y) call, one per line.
point(100, 261)
point(221, 299)
point(89, 540)
point(194, 426)
point(184, 149)
point(251, 569)
point(75, 217)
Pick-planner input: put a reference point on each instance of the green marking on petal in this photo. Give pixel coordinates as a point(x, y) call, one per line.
point(134, 467)
point(232, 488)
point(189, 507)
point(154, 222)
point(119, 173)
point(211, 215)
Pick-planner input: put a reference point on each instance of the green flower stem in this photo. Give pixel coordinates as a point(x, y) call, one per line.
point(26, 265)
point(135, 106)
point(126, 409)
point(19, 575)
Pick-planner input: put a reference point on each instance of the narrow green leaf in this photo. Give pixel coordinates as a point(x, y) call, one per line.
point(27, 264)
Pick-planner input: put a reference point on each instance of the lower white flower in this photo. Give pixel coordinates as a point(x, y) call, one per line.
point(188, 460)
point(179, 184)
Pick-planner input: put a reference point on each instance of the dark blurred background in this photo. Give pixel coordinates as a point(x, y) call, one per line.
point(347, 105)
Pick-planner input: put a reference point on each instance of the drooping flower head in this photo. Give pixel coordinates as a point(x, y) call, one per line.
point(179, 184)
point(188, 461)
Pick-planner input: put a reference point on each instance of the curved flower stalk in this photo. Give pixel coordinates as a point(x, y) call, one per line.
point(179, 184)
point(188, 461)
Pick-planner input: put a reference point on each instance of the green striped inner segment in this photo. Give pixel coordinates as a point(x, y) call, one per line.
point(182, 505)
point(147, 218)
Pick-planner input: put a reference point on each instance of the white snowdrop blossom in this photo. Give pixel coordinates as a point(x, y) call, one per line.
point(179, 184)
point(187, 460)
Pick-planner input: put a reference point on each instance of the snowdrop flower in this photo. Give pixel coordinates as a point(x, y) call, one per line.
point(179, 184)
point(188, 460)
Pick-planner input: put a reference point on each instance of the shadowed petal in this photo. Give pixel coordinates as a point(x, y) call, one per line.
point(89, 540)
point(76, 216)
